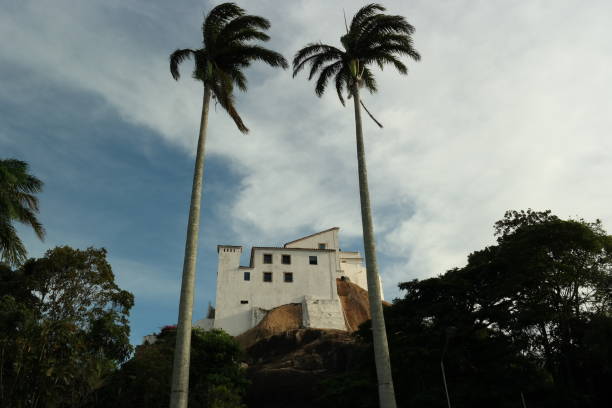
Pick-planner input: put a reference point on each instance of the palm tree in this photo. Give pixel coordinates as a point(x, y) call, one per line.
point(371, 38)
point(219, 64)
point(17, 203)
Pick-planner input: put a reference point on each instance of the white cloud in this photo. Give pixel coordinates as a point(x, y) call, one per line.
point(508, 109)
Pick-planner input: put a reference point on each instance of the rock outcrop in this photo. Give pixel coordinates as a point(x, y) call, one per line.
point(287, 362)
point(286, 369)
point(355, 307)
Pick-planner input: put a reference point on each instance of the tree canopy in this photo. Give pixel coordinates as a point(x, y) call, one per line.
point(216, 377)
point(63, 328)
point(529, 317)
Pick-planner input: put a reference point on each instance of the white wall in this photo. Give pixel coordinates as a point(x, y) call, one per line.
point(313, 280)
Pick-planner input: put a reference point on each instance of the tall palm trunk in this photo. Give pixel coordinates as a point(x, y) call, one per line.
point(182, 351)
point(386, 394)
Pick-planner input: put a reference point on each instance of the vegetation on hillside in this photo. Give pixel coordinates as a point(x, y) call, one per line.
point(216, 378)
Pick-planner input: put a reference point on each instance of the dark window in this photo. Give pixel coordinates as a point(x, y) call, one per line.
point(312, 260)
point(288, 277)
point(267, 258)
point(247, 276)
point(267, 277)
point(286, 260)
point(321, 246)
point(244, 302)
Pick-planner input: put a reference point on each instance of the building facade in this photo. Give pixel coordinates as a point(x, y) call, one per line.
point(301, 271)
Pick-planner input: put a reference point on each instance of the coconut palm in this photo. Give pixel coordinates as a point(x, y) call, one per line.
point(227, 49)
point(371, 38)
point(17, 203)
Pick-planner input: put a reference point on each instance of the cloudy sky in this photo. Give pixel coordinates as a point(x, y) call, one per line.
point(509, 108)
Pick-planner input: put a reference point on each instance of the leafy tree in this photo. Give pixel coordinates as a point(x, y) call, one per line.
point(529, 317)
point(227, 49)
point(17, 203)
point(63, 328)
point(216, 378)
point(371, 38)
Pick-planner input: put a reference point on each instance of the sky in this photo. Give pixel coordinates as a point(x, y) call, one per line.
point(509, 108)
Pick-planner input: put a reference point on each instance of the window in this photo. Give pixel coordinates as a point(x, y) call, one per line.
point(322, 246)
point(244, 302)
point(286, 260)
point(267, 276)
point(247, 276)
point(312, 260)
point(267, 258)
point(288, 276)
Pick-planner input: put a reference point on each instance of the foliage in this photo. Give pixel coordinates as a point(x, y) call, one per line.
point(216, 378)
point(63, 328)
point(531, 315)
point(371, 38)
point(227, 32)
point(17, 203)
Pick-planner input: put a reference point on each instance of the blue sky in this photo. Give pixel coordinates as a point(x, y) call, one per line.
point(508, 109)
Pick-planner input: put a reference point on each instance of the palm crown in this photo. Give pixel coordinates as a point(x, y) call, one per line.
point(372, 37)
point(227, 49)
point(17, 203)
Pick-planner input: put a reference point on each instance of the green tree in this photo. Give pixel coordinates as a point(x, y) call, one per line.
point(216, 378)
point(63, 328)
point(227, 49)
point(17, 203)
point(371, 38)
point(531, 315)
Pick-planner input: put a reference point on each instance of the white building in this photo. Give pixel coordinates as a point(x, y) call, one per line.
point(302, 271)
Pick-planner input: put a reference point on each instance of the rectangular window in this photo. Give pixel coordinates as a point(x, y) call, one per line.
point(247, 276)
point(321, 246)
point(288, 276)
point(312, 260)
point(286, 260)
point(267, 258)
point(244, 302)
point(267, 276)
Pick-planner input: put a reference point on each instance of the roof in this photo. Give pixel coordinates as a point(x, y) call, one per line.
point(311, 235)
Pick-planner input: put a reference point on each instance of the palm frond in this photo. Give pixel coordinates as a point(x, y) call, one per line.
point(217, 19)
point(386, 24)
point(385, 58)
point(327, 73)
point(342, 80)
point(222, 90)
point(319, 60)
point(256, 53)
point(203, 66)
point(368, 80)
point(243, 23)
point(12, 250)
point(370, 115)
point(247, 34)
point(27, 216)
point(309, 52)
point(238, 78)
point(364, 13)
point(176, 58)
